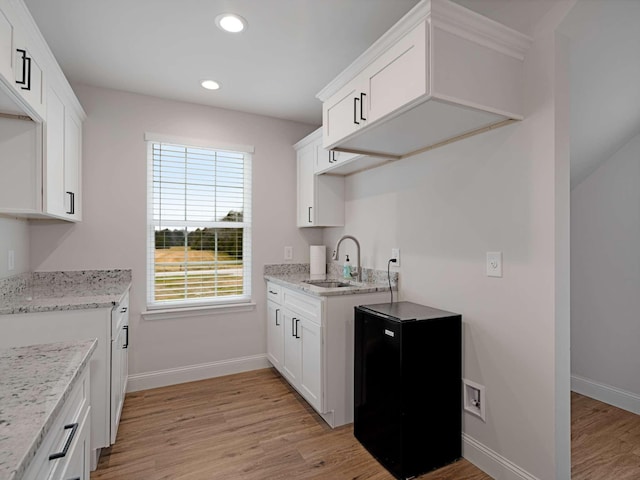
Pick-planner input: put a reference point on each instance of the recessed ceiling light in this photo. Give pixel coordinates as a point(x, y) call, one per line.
point(210, 85)
point(230, 22)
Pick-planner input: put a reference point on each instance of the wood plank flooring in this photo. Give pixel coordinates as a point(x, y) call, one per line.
point(250, 426)
point(254, 426)
point(605, 441)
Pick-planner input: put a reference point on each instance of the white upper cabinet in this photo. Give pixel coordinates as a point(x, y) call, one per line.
point(441, 73)
point(28, 74)
point(41, 137)
point(320, 197)
point(6, 47)
point(61, 160)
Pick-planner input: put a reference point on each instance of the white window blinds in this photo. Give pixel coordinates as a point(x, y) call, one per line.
point(199, 232)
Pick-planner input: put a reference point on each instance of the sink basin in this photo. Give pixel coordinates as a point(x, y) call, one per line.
point(327, 283)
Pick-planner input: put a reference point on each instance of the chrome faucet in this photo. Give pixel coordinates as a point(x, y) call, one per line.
point(336, 254)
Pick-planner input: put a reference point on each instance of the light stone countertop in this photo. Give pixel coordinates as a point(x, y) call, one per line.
point(73, 290)
point(35, 382)
point(297, 275)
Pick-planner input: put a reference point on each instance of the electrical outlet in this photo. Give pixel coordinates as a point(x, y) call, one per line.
point(11, 260)
point(288, 253)
point(474, 399)
point(494, 264)
point(395, 253)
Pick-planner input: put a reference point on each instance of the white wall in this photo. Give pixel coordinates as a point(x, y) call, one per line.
point(605, 272)
point(14, 235)
point(112, 234)
point(506, 190)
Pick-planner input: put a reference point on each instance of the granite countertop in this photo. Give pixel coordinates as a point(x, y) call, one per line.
point(35, 381)
point(296, 276)
point(73, 290)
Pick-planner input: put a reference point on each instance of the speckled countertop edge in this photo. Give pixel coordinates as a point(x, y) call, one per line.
point(60, 291)
point(24, 429)
point(297, 281)
point(297, 274)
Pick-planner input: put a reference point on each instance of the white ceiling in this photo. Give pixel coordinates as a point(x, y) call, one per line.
point(293, 48)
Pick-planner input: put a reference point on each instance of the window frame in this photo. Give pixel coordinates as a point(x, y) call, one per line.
point(219, 303)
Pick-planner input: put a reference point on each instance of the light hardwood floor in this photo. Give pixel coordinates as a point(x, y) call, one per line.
point(605, 441)
point(254, 426)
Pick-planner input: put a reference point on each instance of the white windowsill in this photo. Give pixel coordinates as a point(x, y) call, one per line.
point(182, 312)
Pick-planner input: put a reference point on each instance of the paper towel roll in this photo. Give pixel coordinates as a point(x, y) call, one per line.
point(318, 260)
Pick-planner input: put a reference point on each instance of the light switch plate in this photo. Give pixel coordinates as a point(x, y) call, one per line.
point(288, 253)
point(494, 264)
point(11, 260)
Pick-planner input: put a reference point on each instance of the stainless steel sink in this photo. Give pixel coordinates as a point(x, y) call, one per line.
point(327, 283)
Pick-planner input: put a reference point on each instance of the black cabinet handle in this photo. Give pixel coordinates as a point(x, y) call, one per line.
point(293, 322)
point(272, 292)
point(297, 320)
point(126, 331)
point(355, 110)
point(123, 310)
point(75, 478)
point(72, 203)
point(277, 310)
point(26, 70)
point(310, 214)
point(330, 152)
point(67, 444)
point(362, 95)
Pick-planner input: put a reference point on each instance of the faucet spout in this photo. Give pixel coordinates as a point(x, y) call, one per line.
point(336, 254)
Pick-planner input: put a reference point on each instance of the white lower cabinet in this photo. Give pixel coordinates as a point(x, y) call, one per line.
point(64, 451)
point(108, 366)
point(310, 342)
point(275, 337)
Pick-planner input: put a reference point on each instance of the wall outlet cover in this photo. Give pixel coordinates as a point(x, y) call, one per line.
point(288, 253)
point(474, 399)
point(494, 264)
point(395, 253)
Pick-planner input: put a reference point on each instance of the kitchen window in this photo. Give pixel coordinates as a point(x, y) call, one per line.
point(199, 223)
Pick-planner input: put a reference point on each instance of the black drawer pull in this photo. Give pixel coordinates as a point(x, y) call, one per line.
point(123, 310)
point(74, 478)
point(297, 320)
point(272, 292)
point(72, 203)
point(126, 331)
point(26, 70)
point(310, 214)
point(355, 110)
point(67, 444)
point(277, 310)
point(362, 95)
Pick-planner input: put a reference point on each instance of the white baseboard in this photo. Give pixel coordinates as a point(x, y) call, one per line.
point(606, 393)
point(192, 373)
point(492, 463)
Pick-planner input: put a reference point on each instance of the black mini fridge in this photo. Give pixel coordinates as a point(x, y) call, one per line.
point(408, 384)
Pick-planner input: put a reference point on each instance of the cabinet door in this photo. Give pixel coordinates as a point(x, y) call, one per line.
point(344, 113)
point(6, 47)
point(306, 186)
point(54, 198)
point(398, 76)
point(291, 364)
point(116, 383)
point(28, 75)
point(77, 467)
point(275, 335)
point(324, 159)
point(72, 166)
point(310, 335)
